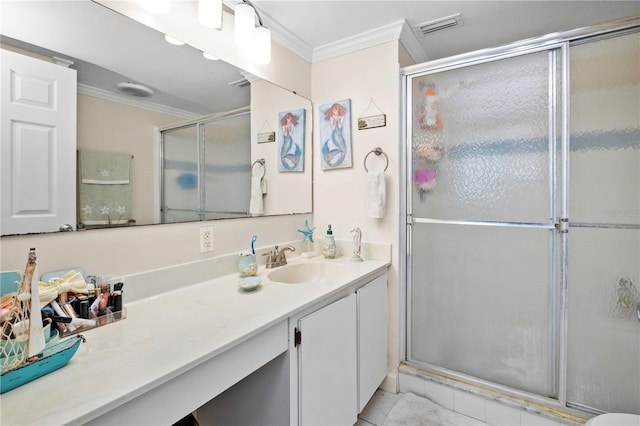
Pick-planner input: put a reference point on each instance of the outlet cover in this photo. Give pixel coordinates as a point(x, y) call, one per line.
point(206, 239)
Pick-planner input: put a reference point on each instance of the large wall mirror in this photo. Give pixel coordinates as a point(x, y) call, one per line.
point(165, 87)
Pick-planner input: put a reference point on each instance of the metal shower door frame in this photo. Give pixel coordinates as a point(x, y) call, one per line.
point(558, 47)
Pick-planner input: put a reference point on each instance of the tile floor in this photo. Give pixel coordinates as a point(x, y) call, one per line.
point(377, 409)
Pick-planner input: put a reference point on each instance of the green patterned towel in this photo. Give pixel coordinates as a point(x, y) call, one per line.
point(104, 168)
point(104, 202)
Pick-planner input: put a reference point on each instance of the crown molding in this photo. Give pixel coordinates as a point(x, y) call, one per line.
point(399, 30)
point(360, 41)
point(113, 97)
point(285, 38)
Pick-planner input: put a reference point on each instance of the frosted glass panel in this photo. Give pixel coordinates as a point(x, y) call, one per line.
point(480, 141)
point(180, 177)
point(604, 329)
point(605, 131)
point(227, 172)
point(480, 303)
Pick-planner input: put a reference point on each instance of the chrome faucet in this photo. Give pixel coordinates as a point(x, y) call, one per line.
point(276, 257)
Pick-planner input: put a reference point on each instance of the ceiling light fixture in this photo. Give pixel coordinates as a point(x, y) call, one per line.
point(135, 89)
point(245, 24)
point(262, 46)
point(210, 13)
point(254, 42)
point(209, 56)
point(173, 41)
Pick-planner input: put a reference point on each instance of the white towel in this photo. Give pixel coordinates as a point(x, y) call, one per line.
point(258, 187)
point(376, 194)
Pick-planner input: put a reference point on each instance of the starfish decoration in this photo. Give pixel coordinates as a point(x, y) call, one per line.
point(307, 232)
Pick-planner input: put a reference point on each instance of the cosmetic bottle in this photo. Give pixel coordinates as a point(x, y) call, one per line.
point(329, 245)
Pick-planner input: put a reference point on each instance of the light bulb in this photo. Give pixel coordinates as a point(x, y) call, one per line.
point(210, 13)
point(245, 19)
point(262, 46)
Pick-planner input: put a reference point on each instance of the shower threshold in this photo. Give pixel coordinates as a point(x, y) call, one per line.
point(484, 400)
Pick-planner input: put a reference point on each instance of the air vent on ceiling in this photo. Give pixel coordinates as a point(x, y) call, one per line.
point(239, 83)
point(440, 24)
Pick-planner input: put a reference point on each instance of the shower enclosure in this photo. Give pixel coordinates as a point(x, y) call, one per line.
point(523, 218)
point(205, 170)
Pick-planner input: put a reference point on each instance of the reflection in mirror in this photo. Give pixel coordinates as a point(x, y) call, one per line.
point(106, 49)
point(205, 168)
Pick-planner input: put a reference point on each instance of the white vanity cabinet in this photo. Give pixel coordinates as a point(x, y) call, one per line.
point(372, 338)
point(340, 356)
point(327, 361)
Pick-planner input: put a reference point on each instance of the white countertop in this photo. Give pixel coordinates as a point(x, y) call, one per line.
point(162, 337)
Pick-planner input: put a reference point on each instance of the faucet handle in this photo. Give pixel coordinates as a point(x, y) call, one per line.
point(269, 256)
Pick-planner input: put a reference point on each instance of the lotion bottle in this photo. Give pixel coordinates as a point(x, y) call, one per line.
point(329, 245)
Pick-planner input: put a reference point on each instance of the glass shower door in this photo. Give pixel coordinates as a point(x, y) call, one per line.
point(604, 237)
point(180, 170)
point(482, 205)
point(227, 175)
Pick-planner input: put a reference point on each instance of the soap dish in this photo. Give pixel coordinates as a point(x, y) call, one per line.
point(249, 283)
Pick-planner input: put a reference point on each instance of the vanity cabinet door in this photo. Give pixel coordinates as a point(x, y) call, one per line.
point(38, 123)
point(372, 338)
point(327, 362)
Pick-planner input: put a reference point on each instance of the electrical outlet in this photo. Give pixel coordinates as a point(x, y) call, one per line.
point(206, 239)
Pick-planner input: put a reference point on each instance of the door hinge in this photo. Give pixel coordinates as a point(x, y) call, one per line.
point(297, 337)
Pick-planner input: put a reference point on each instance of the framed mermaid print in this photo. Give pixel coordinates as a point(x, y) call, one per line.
point(291, 131)
point(335, 135)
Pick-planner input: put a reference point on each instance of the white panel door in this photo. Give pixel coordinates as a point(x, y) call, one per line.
point(327, 365)
point(38, 145)
point(372, 338)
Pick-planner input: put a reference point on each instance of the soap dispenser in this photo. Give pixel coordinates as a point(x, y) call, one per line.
point(329, 245)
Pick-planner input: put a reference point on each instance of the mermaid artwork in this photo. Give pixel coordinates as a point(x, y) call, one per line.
point(290, 153)
point(334, 149)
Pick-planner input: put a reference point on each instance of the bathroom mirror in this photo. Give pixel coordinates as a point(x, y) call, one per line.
point(108, 49)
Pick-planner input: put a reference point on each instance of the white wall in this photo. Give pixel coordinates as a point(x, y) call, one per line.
point(267, 100)
point(340, 195)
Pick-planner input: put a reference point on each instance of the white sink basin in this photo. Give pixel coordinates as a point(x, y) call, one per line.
point(307, 272)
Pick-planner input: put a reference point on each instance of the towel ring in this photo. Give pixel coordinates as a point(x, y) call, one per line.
point(261, 162)
point(377, 151)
